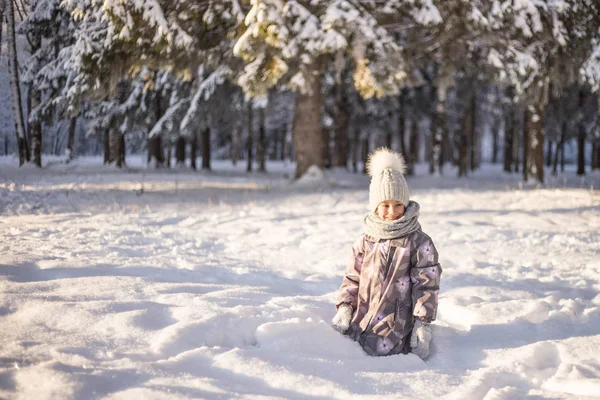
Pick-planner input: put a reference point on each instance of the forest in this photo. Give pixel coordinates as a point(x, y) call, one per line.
point(320, 83)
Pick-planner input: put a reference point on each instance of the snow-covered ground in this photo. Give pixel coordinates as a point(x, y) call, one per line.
point(174, 285)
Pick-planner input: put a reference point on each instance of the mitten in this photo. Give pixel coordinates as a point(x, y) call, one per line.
point(341, 320)
point(420, 338)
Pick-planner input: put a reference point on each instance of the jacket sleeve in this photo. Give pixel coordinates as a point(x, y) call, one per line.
point(348, 292)
point(425, 276)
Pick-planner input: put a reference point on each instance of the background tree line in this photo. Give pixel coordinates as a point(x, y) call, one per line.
point(321, 83)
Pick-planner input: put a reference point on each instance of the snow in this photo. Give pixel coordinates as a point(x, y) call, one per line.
point(173, 284)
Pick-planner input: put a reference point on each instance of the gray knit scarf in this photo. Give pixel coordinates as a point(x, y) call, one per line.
point(407, 224)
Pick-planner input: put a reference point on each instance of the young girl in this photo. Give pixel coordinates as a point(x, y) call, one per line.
point(389, 294)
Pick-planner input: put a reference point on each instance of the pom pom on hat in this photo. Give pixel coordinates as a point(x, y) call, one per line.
point(386, 168)
point(384, 158)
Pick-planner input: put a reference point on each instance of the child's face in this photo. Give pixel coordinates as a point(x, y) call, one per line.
point(390, 210)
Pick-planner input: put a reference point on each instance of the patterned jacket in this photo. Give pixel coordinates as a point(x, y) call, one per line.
point(389, 282)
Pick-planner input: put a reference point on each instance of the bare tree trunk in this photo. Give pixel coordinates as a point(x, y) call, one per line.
point(106, 146)
point(180, 151)
point(536, 139)
point(549, 154)
point(562, 156)
point(122, 150)
point(438, 130)
point(559, 145)
point(114, 144)
point(355, 142)
point(596, 154)
point(581, 137)
point(155, 151)
point(169, 152)
point(13, 67)
point(235, 143)
point(340, 147)
point(262, 139)
point(463, 141)
point(509, 130)
point(365, 154)
point(194, 150)
point(155, 145)
point(308, 140)
point(581, 151)
point(326, 132)
point(474, 137)
point(526, 122)
point(250, 137)
point(71, 138)
point(516, 138)
point(413, 147)
point(2, 8)
point(206, 149)
point(495, 139)
point(35, 128)
point(402, 123)
point(284, 142)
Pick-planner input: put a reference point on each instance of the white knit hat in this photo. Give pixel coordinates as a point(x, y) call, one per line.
point(386, 168)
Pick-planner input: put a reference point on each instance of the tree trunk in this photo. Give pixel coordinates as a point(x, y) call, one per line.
point(250, 137)
point(562, 156)
point(413, 147)
point(71, 138)
point(114, 144)
point(308, 140)
point(180, 151)
point(122, 149)
point(35, 128)
point(206, 149)
point(340, 136)
point(2, 8)
point(473, 137)
point(155, 151)
point(325, 149)
point(194, 150)
point(261, 150)
point(516, 138)
point(438, 130)
point(509, 130)
point(526, 122)
point(169, 152)
point(495, 139)
point(105, 141)
point(536, 140)
point(559, 145)
point(285, 144)
point(549, 154)
point(463, 140)
point(155, 145)
point(355, 142)
point(13, 67)
point(581, 137)
point(402, 123)
point(596, 154)
point(235, 143)
point(365, 154)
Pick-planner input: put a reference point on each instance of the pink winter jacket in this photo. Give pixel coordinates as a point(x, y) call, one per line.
point(389, 282)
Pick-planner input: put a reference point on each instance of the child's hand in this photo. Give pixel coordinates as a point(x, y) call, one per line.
point(420, 338)
point(341, 320)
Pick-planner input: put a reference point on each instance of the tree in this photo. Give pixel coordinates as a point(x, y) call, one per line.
point(13, 67)
point(291, 44)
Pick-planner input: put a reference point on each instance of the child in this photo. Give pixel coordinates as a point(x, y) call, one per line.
point(389, 294)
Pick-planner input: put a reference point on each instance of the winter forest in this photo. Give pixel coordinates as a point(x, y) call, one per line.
point(182, 182)
point(323, 83)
